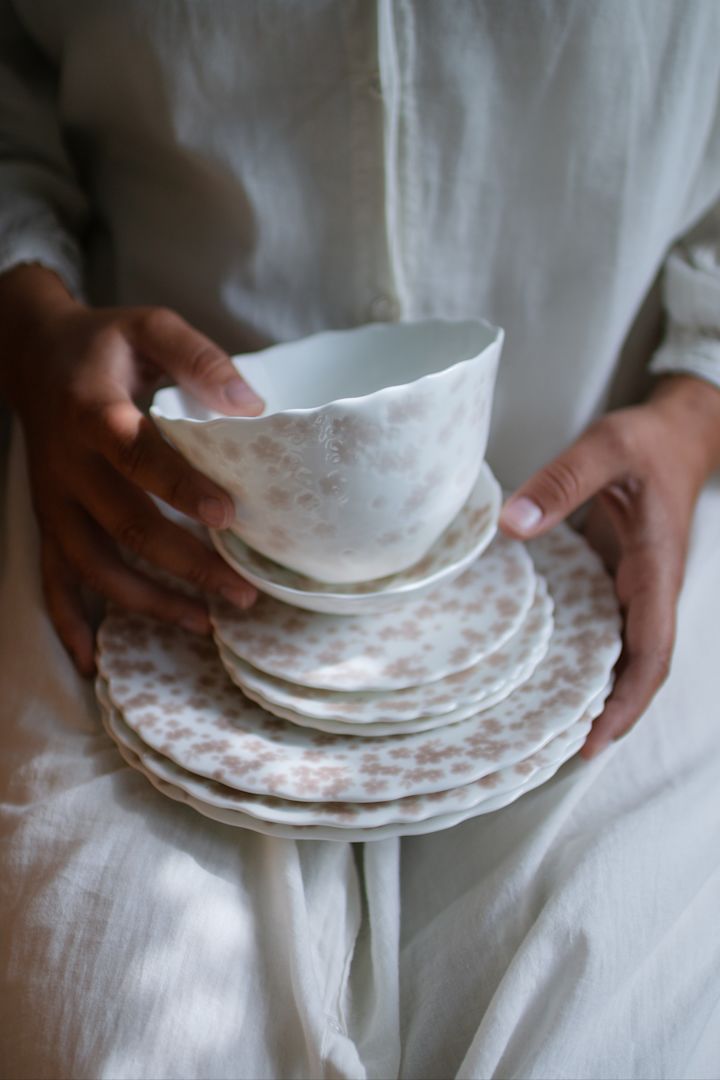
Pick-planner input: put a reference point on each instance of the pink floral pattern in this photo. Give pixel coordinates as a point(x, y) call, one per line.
point(417, 708)
point(467, 536)
point(346, 814)
point(172, 690)
point(358, 488)
point(452, 628)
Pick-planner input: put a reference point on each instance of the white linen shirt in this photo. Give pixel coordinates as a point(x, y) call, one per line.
point(270, 169)
point(273, 168)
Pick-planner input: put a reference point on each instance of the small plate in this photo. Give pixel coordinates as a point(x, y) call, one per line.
point(418, 708)
point(452, 628)
point(461, 543)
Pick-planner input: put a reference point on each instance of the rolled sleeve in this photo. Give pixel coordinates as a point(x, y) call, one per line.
point(691, 292)
point(43, 211)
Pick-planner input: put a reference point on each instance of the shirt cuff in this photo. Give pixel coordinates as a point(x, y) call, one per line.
point(689, 352)
point(46, 243)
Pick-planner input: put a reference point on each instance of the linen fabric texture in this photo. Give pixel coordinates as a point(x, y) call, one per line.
point(270, 170)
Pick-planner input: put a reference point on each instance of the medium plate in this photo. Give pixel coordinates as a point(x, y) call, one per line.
point(418, 708)
point(451, 629)
point(375, 731)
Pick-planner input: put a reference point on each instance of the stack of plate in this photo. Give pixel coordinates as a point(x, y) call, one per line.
point(390, 708)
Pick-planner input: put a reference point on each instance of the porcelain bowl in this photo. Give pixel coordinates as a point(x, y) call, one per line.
point(371, 442)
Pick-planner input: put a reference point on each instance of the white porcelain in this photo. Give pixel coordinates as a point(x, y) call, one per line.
point(375, 730)
point(370, 444)
point(465, 538)
point(347, 815)
point(240, 819)
point(173, 691)
point(451, 629)
point(417, 708)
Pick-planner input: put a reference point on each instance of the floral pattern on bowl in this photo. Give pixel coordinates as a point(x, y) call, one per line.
point(359, 487)
point(465, 538)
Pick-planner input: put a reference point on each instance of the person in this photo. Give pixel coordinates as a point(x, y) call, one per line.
point(183, 181)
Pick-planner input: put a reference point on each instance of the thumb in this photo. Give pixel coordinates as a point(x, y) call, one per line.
point(194, 361)
point(555, 491)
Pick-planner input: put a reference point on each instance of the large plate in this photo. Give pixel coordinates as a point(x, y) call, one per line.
point(348, 815)
point(284, 831)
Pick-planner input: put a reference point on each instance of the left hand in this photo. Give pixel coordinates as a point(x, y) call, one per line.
point(643, 467)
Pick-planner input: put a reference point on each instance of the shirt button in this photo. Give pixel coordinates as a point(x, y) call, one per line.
point(384, 308)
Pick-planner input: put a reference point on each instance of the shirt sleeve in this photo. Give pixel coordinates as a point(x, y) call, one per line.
point(691, 292)
point(43, 211)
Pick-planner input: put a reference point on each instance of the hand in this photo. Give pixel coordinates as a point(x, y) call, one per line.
point(643, 468)
point(93, 457)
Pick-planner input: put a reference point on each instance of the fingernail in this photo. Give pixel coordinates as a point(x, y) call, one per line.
point(521, 514)
point(196, 624)
point(240, 396)
point(242, 598)
point(215, 513)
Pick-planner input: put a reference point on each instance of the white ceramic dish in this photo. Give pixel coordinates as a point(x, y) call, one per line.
point(238, 819)
point(417, 708)
point(375, 731)
point(371, 442)
point(173, 691)
point(347, 815)
point(467, 536)
point(450, 629)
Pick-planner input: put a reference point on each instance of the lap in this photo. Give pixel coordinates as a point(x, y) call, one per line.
point(142, 940)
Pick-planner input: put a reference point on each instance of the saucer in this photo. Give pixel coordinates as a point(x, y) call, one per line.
point(347, 815)
point(174, 693)
point(452, 628)
point(417, 708)
point(459, 545)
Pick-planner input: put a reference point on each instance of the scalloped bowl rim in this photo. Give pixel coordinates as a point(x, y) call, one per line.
point(344, 402)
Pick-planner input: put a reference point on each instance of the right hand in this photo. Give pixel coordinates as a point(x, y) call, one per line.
point(72, 374)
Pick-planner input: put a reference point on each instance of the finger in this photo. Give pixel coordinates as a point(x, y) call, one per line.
point(596, 459)
point(136, 449)
point(602, 536)
point(647, 587)
point(95, 561)
point(195, 362)
point(62, 598)
point(135, 523)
